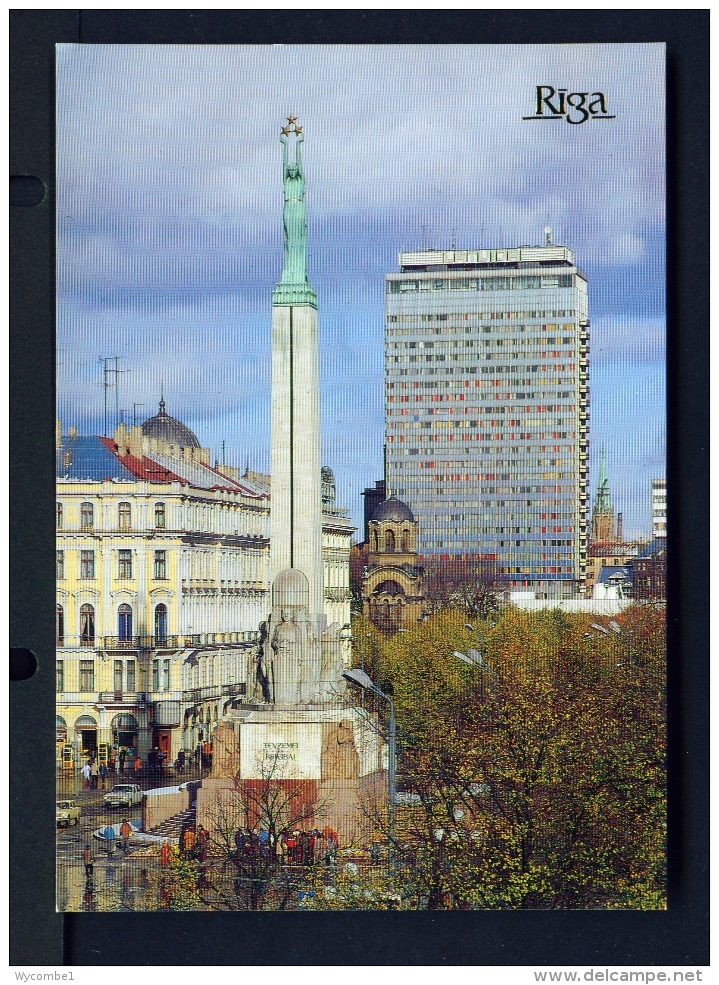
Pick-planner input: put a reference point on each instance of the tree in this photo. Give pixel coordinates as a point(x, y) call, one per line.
point(540, 783)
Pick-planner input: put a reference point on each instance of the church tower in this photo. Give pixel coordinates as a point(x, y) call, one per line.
point(602, 514)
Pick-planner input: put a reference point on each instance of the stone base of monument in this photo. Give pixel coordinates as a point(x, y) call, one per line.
point(299, 767)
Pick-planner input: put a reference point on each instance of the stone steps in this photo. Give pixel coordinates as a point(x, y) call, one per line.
point(172, 827)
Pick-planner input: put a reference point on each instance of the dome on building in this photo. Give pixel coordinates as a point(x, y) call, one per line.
point(169, 430)
point(393, 509)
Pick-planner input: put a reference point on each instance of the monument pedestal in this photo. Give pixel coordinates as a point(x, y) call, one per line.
point(299, 767)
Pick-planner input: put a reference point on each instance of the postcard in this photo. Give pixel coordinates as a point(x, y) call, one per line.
point(360, 474)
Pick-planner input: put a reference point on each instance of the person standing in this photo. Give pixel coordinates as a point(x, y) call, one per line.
point(94, 774)
point(122, 758)
point(188, 841)
point(102, 771)
point(86, 773)
point(138, 765)
point(202, 841)
point(165, 854)
point(304, 848)
point(88, 860)
point(109, 835)
point(113, 757)
point(180, 762)
point(125, 833)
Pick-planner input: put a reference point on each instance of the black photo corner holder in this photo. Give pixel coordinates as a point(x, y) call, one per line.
point(39, 935)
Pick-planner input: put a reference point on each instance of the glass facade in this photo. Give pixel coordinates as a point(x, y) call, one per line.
point(487, 412)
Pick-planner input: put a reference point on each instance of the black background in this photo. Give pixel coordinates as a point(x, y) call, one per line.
point(39, 935)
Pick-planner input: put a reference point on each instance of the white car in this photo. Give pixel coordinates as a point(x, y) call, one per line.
point(124, 795)
point(67, 813)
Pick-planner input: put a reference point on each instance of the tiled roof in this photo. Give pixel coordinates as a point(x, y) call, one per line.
point(88, 458)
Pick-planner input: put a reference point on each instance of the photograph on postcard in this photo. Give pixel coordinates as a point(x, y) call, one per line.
point(360, 474)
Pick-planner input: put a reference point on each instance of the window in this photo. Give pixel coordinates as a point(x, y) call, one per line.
point(58, 516)
point(87, 675)
point(389, 542)
point(160, 624)
point(124, 516)
point(155, 675)
point(130, 679)
point(60, 675)
point(117, 676)
point(59, 626)
point(125, 564)
point(87, 626)
point(86, 516)
point(159, 514)
point(375, 546)
point(124, 622)
point(405, 542)
point(166, 675)
point(87, 564)
point(160, 565)
point(60, 566)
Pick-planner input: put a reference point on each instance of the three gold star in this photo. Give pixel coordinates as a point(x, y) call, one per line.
point(291, 127)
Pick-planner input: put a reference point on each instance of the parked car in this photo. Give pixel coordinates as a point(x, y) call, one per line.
point(67, 813)
point(123, 795)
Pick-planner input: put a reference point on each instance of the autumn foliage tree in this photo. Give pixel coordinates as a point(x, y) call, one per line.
point(538, 782)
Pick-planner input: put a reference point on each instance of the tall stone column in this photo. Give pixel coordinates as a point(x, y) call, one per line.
point(296, 499)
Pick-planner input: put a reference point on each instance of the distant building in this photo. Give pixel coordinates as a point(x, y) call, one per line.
point(487, 397)
point(613, 583)
point(392, 579)
point(606, 556)
point(649, 572)
point(659, 507)
point(372, 499)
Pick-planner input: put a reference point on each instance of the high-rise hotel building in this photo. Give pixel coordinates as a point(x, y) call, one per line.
point(487, 408)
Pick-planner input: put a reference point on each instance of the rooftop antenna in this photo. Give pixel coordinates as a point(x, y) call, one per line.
point(223, 451)
point(547, 235)
point(134, 413)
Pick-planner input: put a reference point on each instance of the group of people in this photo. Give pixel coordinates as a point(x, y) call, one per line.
point(293, 847)
point(193, 843)
point(97, 773)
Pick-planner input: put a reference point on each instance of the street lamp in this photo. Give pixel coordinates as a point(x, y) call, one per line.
point(363, 680)
point(617, 630)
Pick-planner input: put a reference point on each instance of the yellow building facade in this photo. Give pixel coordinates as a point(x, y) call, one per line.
point(162, 583)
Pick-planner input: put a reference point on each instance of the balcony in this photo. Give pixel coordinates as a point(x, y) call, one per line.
point(209, 693)
point(121, 698)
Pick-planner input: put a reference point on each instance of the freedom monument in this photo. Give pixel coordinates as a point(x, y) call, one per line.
point(299, 732)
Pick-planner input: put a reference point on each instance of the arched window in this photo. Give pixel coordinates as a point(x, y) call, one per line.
point(58, 516)
point(86, 516)
point(124, 516)
point(389, 542)
point(59, 626)
point(159, 514)
point(375, 543)
point(87, 625)
point(124, 622)
point(406, 542)
point(160, 624)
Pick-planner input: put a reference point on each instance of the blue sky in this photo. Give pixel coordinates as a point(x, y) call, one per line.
point(170, 225)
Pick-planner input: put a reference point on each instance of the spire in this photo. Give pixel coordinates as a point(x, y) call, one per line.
point(162, 398)
point(603, 502)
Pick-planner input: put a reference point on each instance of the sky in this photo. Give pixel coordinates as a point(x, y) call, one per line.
point(169, 212)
